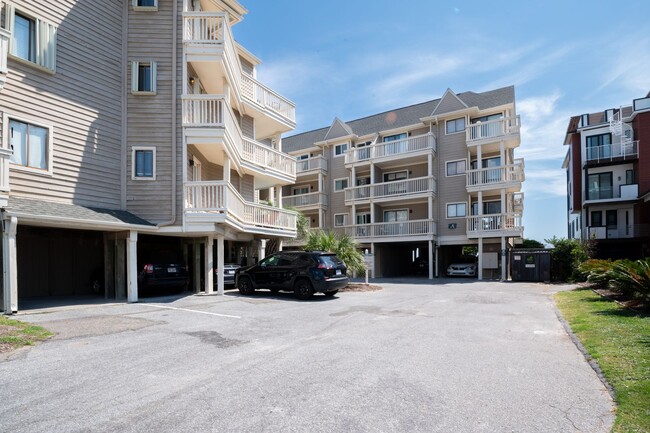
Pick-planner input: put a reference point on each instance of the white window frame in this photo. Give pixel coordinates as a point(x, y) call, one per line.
point(455, 204)
point(135, 73)
point(6, 118)
point(407, 210)
point(366, 215)
point(45, 40)
point(342, 189)
point(138, 8)
point(447, 122)
point(383, 176)
point(455, 161)
point(337, 146)
point(133, 163)
point(345, 219)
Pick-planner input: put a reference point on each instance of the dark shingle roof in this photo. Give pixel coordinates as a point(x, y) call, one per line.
point(72, 212)
point(400, 117)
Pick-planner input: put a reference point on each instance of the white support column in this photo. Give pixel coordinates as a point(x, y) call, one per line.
point(226, 167)
point(431, 250)
point(261, 249)
point(220, 264)
point(353, 183)
point(208, 268)
point(197, 267)
point(278, 142)
point(132, 267)
point(272, 195)
point(280, 244)
point(374, 260)
point(9, 266)
point(437, 261)
point(480, 258)
point(278, 196)
point(320, 182)
point(504, 264)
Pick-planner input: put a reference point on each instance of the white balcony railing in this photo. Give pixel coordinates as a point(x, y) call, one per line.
point(623, 192)
point(493, 129)
point(309, 164)
point(507, 222)
point(261, 95)
point(391, 149)
point(616, 232)
point(220, 197)
point(5, 155)
point(303, 200)
point(398, 188)
point(616, 151)
point(495, 175)
point(211, 29)
point(390, 229)
point(213, 111)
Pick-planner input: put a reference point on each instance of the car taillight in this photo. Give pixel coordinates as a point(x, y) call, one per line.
point(323, 266)
point(148, 269)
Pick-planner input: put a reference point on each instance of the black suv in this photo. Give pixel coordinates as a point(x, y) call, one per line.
point(303, 272)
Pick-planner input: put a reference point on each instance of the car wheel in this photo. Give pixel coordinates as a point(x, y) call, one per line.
point(303, 289)
point(246, 286)
point(332, 293)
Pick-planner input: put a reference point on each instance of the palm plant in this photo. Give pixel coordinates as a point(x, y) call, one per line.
point(344, 246)
point(632, 278)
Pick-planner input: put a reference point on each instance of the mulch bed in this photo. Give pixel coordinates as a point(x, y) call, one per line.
point(631, 304)
point(360, 287)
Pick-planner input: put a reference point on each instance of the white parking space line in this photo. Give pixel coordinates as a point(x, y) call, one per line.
point(191, 311)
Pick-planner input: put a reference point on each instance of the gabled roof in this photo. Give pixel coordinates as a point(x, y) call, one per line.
point(400, 117)
point(338, 129)
point(449, 102)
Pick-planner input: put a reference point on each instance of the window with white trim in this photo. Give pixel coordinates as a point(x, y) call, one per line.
point(340, 184)
point(144, 163)
point(32, 39)
point(31, 144)
point(143, 77)
point(340, 219)
point(455, 125)
point(456, 168)
point(340, 149)
point(456, 210)
point(145, 5)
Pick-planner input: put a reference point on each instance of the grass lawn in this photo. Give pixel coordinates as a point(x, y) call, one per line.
point(15, 334)
point(619, 340)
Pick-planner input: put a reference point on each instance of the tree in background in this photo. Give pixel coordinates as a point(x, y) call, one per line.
point(344, 246)
point(530, 243)
point(566, 256)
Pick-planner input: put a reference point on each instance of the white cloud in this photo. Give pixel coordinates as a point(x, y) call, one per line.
point(544, 182)
point(629, 66)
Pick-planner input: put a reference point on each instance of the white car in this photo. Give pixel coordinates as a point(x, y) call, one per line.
point(462, 270)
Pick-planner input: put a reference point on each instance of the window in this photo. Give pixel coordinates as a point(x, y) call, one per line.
point(456, 210)
point(340, 149)
point(145, 5)
point(489, 208)
point(455, 168)
point(361, 152)
point(394, 148)
point(143, 77)
point(340, 219)
point(299, 190)
point(456, 125)
point(396, 175)
point(144, 163)
point(396, 215)
point(611, 219)
point(30, 143)
point(363, 221)
point(363, 218)
point(32, 39)
point(596, 218)
point(600, 186)
point(629, 177)
point(599, 146)
point(302, 162)
point(487, 118)
point(340, 184)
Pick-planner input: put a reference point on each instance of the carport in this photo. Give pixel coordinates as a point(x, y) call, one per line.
point(67, 251)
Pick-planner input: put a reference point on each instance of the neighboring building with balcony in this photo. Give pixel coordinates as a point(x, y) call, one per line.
point(608, 181)
point(417, 183)
point(133, 128)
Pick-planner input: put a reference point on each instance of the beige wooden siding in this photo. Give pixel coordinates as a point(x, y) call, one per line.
point(416, 211)
point(248, 126)
point(150, 117)
point(448, 103)
point(248, 187)
point(337, 170)
point(452, 189)
point(81, 101)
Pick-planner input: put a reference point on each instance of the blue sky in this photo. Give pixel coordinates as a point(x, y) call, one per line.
point(355, 58)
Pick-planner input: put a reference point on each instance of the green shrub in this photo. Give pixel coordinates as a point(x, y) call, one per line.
point(597, 271)
point(342, 245)
point(632, 279)
point(567, 255)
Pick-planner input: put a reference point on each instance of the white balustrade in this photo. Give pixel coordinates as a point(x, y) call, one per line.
point(405, 187)
point(392, 149)
point(493, 128)
point(391, 229)
point(490, 175)
point(261, 95)
point(609, 152)
point(494, 222)
point(314, 163)
point(301, 200)
point(5, 155)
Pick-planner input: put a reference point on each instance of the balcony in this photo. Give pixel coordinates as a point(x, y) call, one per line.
point(507, 176)
point(391, 231)
point(219, 202)
point(405, 150)
point(621, 231)
point(4, 50)
point(312, 200)
point(506, 129)
point(609, 194)
point(495, 225)
point(267, 101)
point(642, 104)
point(311, 165)
point(617, 152)
point(208, 119)
point(419, 187)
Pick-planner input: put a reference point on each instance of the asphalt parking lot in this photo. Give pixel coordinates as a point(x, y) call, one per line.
point(413, 357)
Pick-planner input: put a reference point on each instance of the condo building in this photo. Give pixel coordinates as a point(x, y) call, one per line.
point(415, 185)
point(131, 127)
point(608, 179)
